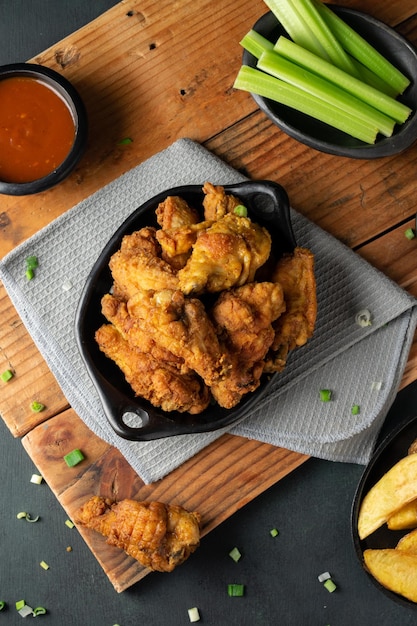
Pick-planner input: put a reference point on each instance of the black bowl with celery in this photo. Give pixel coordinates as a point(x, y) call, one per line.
point(315, 86)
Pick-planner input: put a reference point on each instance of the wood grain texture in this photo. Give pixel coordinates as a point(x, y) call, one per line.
point(156, 72)
point(217, 482)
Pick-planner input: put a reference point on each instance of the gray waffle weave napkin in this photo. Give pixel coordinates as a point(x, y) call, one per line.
point(361, 366)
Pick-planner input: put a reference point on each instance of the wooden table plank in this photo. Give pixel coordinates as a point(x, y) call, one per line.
point(214, 482)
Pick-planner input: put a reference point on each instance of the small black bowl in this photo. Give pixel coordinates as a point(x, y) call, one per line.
point(69, 94)
point(324, 138)
point(267, 205)
point(393, 448)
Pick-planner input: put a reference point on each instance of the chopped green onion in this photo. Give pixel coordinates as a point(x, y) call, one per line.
point(125, 141)
point(194, 614)
point(44, 565)
point(255, 81)
point(67, 285)
point(32, 262)
point(330, 585)
point(27, 517)
point(2, 605)
point(386, 104)
point(356, 409)
point(40, 610)
point(410, 233)
point(69, 523)
point(74, 457)
point(241, 210)
point(235, 554)
point(363, 318)
point(325, 395)
point(36, 479)
point(376, 385)
point(324, 576)
point(20, 604)
point(29, 274)
point(235, 590)
point(6, 376)
point(25, 611)
point(37, 407)
point(274, 532)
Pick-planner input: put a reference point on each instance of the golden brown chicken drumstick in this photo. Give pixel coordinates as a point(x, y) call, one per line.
point(157, 535)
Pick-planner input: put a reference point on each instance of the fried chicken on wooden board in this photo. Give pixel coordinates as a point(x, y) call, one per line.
point(243, 319)
point(181, 326)
point(217, 203)
point(138, 265)
point(295, 273)
point(159, 382)
point(159, 536)
point(227, 254)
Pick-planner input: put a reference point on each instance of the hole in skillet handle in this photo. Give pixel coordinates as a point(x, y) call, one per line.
point(134, 418)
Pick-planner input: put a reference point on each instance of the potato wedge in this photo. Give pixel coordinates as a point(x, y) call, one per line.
point(394, 569)
point(408, 543)
point(395, 489)
point(404, 518)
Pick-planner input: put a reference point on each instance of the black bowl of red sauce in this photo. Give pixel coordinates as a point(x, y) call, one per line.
point(43, 128)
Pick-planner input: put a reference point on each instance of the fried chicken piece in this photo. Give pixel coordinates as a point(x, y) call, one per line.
point(159, 536)
point(177, 243)
point(181, 326)
point(138, 265)
point(115, 311)
point(227, 254)
point(243, 319)
point(295, 273)
point(159, 382)
point(174, 212)
point(217, 203)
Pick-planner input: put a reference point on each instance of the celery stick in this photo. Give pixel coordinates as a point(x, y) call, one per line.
point(314, 20)
point(295, 26)
point(370, 78)
point(287, 71)
point(364, 52)
point(255, 43)
point(391, 107)
point(256, 81)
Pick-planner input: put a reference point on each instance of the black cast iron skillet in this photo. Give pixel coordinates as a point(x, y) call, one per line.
point(130, 416)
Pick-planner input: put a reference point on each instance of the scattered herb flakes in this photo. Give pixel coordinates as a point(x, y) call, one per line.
point(40, 610)
point(410, 233)
point(125, 141)
point(193, 614)
point(363, 318)
point(36, 406)
point(31, 265)
point(69, 523)
point(44, 565)
point(329, 585)
point(6, 375)
point(74, 457)
point(241, 211)
point(356, 409)
point(36, 479)
point(235, 590)
point(325, 395)
point(274, 532)
point(27, 517)
point(2, 605)
point(235, 554)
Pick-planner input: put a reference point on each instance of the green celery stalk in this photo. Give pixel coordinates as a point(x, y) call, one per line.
point(287, 71)
point(318, 25)
point(364, 52)
point(255, 81)
point(295, 53)
point(295, 26)
point(256, 43)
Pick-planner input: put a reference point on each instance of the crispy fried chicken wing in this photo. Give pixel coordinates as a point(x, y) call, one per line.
point(295, 272)
point(160, 382)
point(225, 255)
point(243, 318)
point(138, 265)
point(217, 203)
point(159, 536)
point(181, 326)
point(174, 212)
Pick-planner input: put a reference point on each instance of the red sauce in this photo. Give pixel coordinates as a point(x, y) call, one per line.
point(36, 129)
